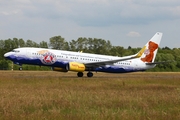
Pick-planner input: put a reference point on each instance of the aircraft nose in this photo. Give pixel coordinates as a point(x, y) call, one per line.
point(6, 55)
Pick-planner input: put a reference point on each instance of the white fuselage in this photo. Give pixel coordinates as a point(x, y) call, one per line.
point(59, 58)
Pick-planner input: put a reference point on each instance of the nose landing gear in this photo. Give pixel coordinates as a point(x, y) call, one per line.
point(20, 68)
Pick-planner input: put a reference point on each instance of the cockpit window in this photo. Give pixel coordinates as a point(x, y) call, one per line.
point(15, 51)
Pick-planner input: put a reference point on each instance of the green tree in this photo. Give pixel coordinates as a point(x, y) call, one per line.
point(117, 51)
point(4, 64)
point(99, 46)
point(58, 43)
point(79, 45)
point(72, 45)
point(8, 45)
point(2, 44)
point(43, 44)
point(30, 43)
point(22, 43)
point(2, 50)
point(171, 66)
point(15, 43)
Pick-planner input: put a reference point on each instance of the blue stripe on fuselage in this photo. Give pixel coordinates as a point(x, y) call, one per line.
point(115, 69)
point(62, 64)
point(35, 61)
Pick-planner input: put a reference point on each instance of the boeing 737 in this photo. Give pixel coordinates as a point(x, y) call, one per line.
point(64, 61)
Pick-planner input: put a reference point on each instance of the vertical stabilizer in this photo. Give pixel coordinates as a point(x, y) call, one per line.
point(151, 48)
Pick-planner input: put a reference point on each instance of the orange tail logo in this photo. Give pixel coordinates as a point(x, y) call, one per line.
point(149, 53)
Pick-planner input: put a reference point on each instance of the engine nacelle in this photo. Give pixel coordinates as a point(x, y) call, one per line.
point(74, 66)
point(59, 69)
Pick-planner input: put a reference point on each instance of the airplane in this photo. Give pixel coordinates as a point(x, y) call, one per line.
point(64, 61)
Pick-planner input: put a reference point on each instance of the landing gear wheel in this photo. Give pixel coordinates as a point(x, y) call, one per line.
point(80, 74)
point(89, 74)
point(20, 68)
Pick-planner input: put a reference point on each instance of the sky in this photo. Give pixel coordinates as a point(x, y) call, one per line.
point(122, 22)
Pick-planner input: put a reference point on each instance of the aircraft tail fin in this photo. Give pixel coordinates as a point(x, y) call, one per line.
point(149, 51)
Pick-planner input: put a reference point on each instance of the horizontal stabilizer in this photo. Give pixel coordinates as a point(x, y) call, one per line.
point(162, 62)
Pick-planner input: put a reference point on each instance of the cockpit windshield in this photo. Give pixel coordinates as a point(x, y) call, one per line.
point(15, 51)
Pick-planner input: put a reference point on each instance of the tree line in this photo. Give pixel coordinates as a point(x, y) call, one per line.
point(89, 45)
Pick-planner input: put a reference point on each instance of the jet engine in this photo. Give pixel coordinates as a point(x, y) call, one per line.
point(59, 69)
point(74, 66)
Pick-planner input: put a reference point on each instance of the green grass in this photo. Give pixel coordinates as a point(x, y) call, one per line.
point(54, 95)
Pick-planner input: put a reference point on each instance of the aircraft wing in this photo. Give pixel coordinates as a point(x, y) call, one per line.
point(111, 62)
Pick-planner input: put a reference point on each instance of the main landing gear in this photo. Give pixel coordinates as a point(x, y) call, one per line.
point(89, 74)
point(80, 74)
